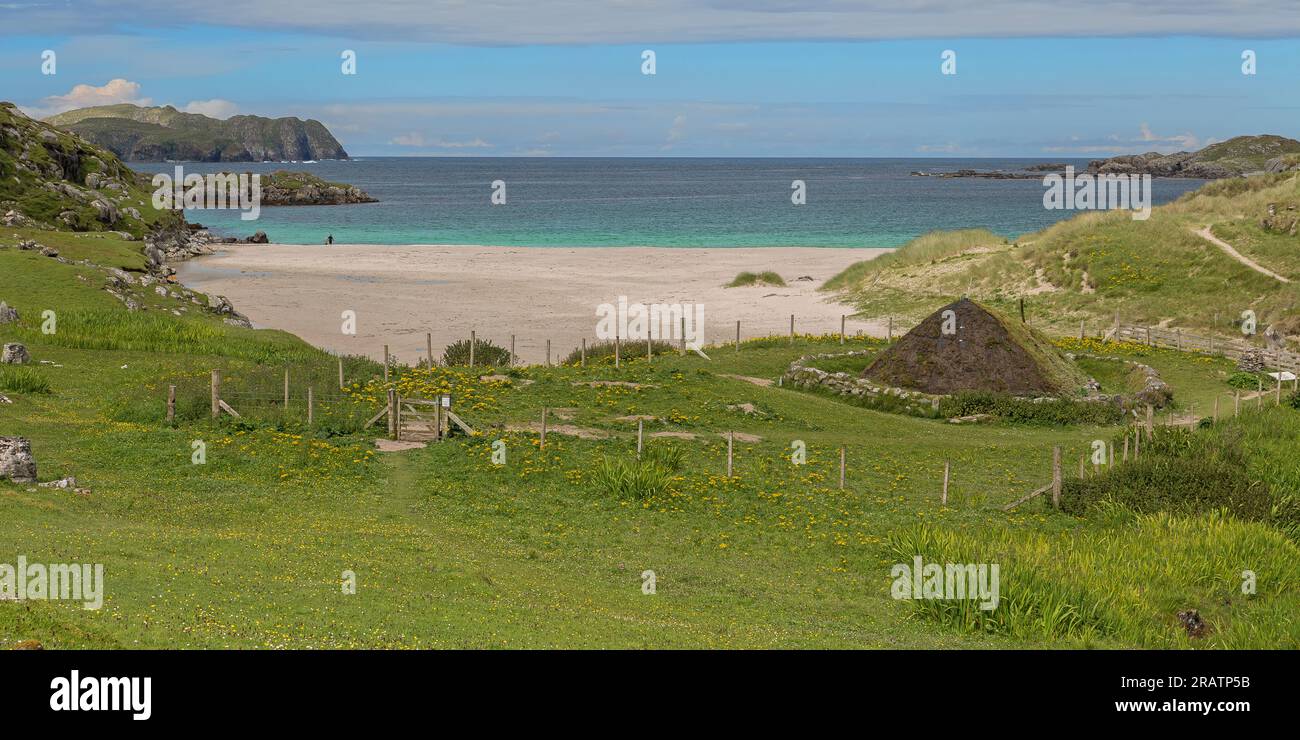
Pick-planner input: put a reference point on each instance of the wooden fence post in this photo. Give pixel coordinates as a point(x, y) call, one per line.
point(649, 354)
point(1137, 443)
point(514, 357)
point(286, 389)
point(1216, 408)
point(1125, 447)
point(841, 468)
point(473, 340)
point(216, 393)
point(1151, 420)
point(385, 363)
point(737, 337)
point(311, 406)
point(616, 351)
point(171, 403)
point(582, 359)
point(542, 444)
point(841, 335)
point(548, 353)
point(1056, 477)
point(428, 347)
point(392, 413)
point(791, 330)
point(682, 339)
point(340, 373)
point(1279, 387)
point(947, 466)
point(729, 435)
point(640, 428)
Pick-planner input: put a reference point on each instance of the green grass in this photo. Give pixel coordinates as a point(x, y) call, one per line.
point(22, 380)
point(451, 549)
point(1122, 580)
point(1096, 264)
point(767, 277)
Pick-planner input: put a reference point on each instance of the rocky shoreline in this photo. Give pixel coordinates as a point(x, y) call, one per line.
point(1237, 157)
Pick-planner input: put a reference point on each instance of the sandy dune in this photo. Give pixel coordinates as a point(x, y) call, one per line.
point(401, 292)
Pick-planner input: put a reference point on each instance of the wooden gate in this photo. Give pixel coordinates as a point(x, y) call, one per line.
point(421, 419)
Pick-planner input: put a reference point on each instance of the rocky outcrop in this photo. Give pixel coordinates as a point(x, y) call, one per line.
point(7, 315)
point(285, 188)
point(15, 354)
point(1281, 218)
point(222, 306)
point(58, 180)
point(16, 461)
point(1235, 157)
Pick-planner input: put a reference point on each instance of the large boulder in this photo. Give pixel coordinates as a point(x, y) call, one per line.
point(15, 354)
point(8, 315)
point(16, 461)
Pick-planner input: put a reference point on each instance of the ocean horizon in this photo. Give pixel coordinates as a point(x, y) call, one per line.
point(651, 201)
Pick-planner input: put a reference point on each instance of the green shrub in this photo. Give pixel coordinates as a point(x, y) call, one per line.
point(23, 380)
point(1053, 412)
point(766, 277)
point(1181, 472)
point(1244, 381)
point(485, 353)
point(667, 456)
point(622, 477)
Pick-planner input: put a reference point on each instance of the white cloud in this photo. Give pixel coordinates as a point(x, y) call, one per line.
point(215, 108)
point(676, 133)
point(1145, 141)
point(417, 139)
point(84, 96)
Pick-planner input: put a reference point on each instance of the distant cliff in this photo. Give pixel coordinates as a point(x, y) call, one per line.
point(161, 134)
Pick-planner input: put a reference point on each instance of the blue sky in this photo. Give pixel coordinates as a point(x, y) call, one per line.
point(509, 80)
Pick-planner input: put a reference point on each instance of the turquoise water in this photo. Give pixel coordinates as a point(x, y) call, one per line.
point(651, 202)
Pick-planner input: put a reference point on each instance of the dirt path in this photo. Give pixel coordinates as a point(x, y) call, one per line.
point(1209, 236)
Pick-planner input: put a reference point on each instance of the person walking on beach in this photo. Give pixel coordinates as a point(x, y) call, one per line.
point(329, 239)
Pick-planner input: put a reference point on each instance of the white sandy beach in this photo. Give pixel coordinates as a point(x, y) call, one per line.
point(535, 293)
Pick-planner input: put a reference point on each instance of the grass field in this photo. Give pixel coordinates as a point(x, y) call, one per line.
point(452, 550)
point(1098, 264)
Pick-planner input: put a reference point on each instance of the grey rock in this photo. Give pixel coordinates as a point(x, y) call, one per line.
point(15, 354)
point(16, 461)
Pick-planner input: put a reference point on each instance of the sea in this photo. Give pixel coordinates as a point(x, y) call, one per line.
point(669, 202)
